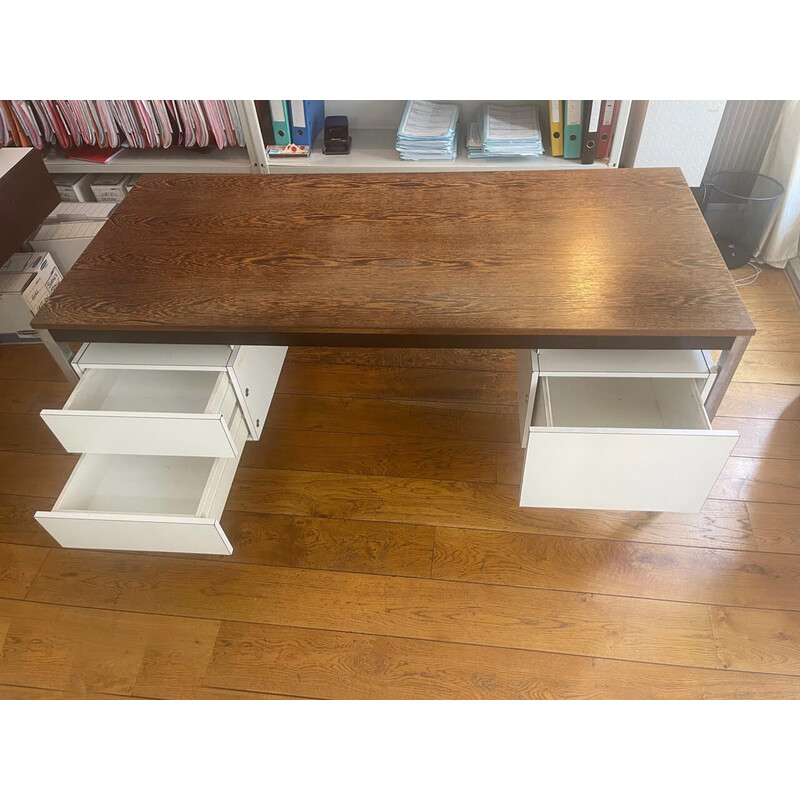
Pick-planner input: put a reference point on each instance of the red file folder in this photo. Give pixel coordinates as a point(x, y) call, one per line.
point(608, 113)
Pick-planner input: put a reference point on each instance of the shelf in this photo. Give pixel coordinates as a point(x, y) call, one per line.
point(374, 151)
point(175, 159)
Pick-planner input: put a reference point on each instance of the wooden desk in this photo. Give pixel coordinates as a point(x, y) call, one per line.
point(538, 262)
point(619, 258)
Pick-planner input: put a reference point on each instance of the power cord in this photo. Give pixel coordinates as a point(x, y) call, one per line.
point(749, 279)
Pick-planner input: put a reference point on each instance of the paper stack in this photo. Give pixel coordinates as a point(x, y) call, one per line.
point(506, 131)
point(427, 131)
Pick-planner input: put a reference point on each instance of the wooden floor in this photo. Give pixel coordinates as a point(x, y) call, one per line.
point(380, 551)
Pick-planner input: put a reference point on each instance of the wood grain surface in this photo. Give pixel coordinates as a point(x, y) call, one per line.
point(379, 552)
point(303, 259)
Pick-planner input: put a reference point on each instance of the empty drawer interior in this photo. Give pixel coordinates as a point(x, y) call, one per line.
point(162, 391)
point(137, 484)
point(648, 403)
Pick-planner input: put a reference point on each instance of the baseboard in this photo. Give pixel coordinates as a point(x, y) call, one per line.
point(793, 273)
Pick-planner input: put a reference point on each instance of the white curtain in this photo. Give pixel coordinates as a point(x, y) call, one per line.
point(780, 241)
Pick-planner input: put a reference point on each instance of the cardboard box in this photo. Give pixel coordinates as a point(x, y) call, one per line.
point(26, 281)
point(65, 241)
point(74, 188)
point(110, 188)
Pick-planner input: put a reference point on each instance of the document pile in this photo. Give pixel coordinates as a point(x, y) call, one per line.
point(427, 131)
point(505, 131)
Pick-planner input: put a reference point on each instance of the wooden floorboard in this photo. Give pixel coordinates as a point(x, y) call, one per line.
point(354, 666)
point(763, 480)
point(368, 454)
point(768, 366)
point(775, 527)
point(763, 438)
point(658, 571)
point(398, 417)
point(467, 386)
point(761, 401)
point(380, 551)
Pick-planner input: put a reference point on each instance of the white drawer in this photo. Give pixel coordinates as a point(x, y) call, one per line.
point(622, 363)
point(621, 443)
point(253, 371)
point(148, 412)
point(152, 503)
point(531, 364)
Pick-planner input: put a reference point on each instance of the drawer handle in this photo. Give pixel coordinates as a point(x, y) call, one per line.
point(258, 423)
point(246, 392)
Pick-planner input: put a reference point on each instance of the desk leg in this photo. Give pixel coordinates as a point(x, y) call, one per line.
point(61, 354)
point(728, 361)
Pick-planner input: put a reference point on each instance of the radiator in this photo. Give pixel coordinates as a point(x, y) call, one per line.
point(743, 136)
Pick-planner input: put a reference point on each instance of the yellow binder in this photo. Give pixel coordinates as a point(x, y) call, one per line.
point(557, 127)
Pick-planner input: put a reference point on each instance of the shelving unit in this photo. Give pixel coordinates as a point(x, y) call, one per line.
point(176, 159)
point(373, 127)
point(373, 151)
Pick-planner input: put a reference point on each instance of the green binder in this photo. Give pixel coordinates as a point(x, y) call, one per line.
point(280, 122)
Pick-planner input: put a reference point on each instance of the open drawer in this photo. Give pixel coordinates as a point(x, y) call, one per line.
point(253, 371)
point(148, 412)
point(695, 365)
point(153, 503)
point(622, 443)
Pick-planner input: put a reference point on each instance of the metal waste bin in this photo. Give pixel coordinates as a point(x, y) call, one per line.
point(737, 207)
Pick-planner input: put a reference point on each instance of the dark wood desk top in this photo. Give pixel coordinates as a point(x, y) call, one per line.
point(447, 259)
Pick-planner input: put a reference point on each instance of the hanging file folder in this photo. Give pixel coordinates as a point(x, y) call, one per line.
point(280, 121)
point(591, 124)
point(607, 115)
point(307, 117)
point(556, 128)
point(572, 128)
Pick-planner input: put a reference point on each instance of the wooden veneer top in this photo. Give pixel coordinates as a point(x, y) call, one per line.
point(306, 258)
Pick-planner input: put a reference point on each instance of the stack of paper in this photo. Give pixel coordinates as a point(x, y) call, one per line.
point(427, 131)
point(506, 131)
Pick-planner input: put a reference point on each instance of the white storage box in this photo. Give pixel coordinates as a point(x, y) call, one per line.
point(26, 280)
point(74, 188)
point(80, 212)
point(110, 188)
point(65, 240)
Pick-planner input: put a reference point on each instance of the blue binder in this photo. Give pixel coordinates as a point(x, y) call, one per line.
point(307, 117)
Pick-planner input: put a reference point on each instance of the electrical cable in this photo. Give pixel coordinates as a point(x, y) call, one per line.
point(749, 279)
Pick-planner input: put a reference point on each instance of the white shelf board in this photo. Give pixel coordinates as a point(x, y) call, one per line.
point(374, 151)
point(174, 159)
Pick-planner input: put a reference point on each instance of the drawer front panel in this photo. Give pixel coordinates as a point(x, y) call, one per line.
point(643, 363)
point(119, 532)
point(148, 412)
point(254, 372)
point(527, 377)
point(625, 470)
point(99, 355)
point(142, 433)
